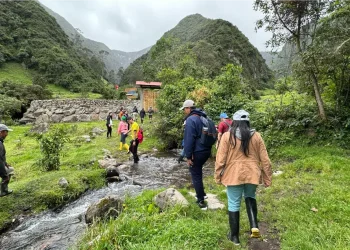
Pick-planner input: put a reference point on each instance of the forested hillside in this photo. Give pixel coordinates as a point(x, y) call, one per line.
point(113, 59)
point(30, 36)
point(206, 44)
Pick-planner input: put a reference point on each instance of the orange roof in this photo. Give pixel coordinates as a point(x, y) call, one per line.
point(142, 83)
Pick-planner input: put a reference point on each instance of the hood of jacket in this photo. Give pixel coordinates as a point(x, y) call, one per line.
point(239, 136)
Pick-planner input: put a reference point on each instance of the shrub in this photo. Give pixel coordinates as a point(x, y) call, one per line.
point(51, 146)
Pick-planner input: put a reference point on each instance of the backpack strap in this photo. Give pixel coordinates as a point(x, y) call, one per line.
point(229, 126)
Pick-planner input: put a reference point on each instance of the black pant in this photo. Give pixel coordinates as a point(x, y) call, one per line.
point(109, 131)
point(199, 158)
point(133, 149)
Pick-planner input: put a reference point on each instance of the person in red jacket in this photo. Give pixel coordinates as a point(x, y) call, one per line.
point(224, 126)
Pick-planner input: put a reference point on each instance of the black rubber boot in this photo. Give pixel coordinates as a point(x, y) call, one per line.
point(4, 188)
point(252, 211)
point(233, 218)
point(180, 159)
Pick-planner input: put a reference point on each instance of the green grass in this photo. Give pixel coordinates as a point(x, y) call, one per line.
point(62, 93)
point(16, 73)
point(36, 190)
point(313, 177)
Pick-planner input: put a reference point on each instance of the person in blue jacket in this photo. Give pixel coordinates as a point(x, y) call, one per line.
point(196, 153)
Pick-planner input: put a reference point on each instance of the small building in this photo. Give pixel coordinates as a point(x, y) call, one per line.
point(149, 93)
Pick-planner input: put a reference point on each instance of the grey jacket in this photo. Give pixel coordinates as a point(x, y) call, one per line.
point(3, 163)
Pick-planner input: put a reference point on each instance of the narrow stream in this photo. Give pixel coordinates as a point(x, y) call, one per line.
point(61, 230)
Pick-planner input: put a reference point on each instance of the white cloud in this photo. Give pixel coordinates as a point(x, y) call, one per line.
point(131, 25)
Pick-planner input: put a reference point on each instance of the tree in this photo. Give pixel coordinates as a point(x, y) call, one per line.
point(103, 54)
point(112, 77)
point(295, 22)
point(120, 74)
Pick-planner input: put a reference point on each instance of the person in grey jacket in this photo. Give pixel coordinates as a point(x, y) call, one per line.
point(6, 171)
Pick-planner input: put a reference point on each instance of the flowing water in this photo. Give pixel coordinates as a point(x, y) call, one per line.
point(61, 230)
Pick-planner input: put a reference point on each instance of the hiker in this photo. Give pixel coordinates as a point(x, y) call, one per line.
point(120, 114)
point(135, 112)
point(125, 113)
point(241, 162)
point(134, 143)
point(224, 126)
point(142, 115)
point(123, 132)
point(109, 124)
point(150, 113)
point(195, 152)
point(6, 171)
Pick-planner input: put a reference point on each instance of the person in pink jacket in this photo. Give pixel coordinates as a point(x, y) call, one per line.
point(241, 163)
point(123, 132)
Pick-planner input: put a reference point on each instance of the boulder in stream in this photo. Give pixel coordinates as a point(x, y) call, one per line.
point(110, 206)
point(170, 197)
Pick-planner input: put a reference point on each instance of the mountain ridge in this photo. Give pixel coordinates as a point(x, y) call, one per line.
point(213, 42)
point(118, 59)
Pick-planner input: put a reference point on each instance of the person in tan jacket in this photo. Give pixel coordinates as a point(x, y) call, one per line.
point(241, 163)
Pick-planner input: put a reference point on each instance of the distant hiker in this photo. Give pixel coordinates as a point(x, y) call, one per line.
point(224, 126)
point(135, 112)
point(241, 161)
point(150, 113)
point(125, 113)
point(123, 131)
point(142, 114)
point(109, 124)
point(121, 113)
point(134, 143)
point(196, 152)
point(6, 171)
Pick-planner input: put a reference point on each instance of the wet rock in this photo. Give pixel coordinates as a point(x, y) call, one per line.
point(113, 179)
point(110, 206)
point(112, 171)
point(170, 197)
point(107, 162)
point(63, 183)
point(123, 167)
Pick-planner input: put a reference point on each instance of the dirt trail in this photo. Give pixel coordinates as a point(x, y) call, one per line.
point(269, 241)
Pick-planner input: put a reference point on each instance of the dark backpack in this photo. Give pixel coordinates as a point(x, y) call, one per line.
point(140, 135)
point(209, 133)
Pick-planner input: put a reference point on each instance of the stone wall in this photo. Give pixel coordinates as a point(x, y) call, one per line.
point(74, 110)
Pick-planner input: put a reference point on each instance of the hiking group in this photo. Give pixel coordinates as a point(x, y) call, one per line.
point(128, 126)
point(242, 161)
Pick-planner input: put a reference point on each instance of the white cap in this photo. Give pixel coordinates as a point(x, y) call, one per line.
point(3, 127)
point(241, 115)
point(187, 104)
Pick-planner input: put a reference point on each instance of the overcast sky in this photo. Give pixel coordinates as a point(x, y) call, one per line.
point(132, 25)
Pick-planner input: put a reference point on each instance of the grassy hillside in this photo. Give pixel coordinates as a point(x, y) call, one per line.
point(15, 72)
point(30, 36)
point(211, 44)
